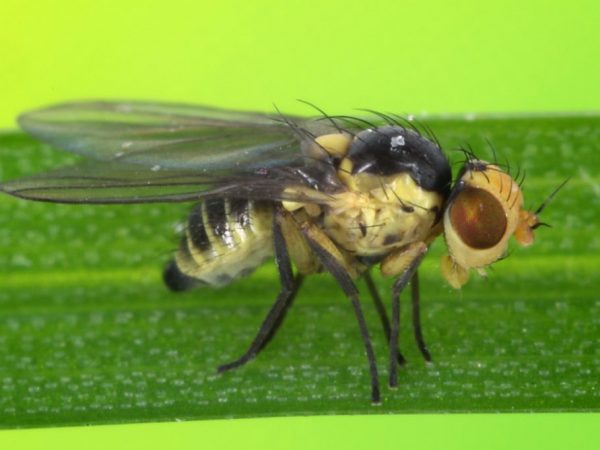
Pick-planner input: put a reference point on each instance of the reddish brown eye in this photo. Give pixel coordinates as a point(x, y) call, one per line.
point(478, 218)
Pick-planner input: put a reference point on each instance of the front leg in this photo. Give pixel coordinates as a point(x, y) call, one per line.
point(403, 262)
point(416, 316)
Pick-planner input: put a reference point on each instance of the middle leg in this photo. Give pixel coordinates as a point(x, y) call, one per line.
point(383, 317)
point(334, 262)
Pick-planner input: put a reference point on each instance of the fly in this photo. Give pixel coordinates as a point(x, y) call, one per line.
point(334, 194)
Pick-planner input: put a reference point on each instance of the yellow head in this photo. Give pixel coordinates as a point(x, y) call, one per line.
point(484, 210)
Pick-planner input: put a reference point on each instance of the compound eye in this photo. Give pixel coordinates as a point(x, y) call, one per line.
point(478, 218)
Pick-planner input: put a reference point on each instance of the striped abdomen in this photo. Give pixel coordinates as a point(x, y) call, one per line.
point(224, 239)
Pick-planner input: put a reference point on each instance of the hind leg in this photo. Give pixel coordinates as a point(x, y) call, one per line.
point(289, 288)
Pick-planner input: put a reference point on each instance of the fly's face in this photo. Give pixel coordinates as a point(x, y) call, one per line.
point(484, 210)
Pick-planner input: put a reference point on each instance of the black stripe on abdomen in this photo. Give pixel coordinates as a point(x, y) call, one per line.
point(218, 221)
point(196, 230)
point(239, 211)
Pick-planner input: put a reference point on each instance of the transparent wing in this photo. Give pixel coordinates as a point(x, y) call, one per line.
point(149, 152)
point(166, 135)
point(110, 182)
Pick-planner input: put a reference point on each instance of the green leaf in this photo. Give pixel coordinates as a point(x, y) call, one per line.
point(88, 333)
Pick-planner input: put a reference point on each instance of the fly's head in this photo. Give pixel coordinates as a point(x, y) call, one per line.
point(484, 209)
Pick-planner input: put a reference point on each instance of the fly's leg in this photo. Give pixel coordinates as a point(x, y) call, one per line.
point(416, 316)
point(334, 262)
point(399, 285)
point(404, 262)
point(379, 306)
point(297, 284)
point(289, 288)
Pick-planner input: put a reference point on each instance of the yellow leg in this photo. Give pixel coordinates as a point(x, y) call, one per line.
point(300, 252)
point(350, 265)
point(397, 262)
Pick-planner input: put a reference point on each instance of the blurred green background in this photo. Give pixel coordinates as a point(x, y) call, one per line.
point(402, 56)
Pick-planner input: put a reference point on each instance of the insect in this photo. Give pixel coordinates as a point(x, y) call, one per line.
point(335, 194)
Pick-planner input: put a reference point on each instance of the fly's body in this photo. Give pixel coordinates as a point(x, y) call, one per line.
point(228, 238)
point(329, 194)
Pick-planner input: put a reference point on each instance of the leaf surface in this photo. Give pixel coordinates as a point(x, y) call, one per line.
point(88, 333)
